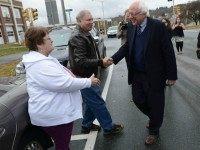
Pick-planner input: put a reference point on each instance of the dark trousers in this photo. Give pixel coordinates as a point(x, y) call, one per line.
point(148, 101)
point(61, 135)
point(179, 46)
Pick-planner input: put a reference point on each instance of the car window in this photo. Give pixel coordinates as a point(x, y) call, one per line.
point(94, 32)
point(60, 37)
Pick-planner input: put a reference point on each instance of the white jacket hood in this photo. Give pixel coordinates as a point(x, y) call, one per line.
point(32, 57)
point(54, 92)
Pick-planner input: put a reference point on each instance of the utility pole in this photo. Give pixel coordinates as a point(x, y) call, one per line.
point(173, 8)
point(64, 14)
point(15, 22)
point(103, 18)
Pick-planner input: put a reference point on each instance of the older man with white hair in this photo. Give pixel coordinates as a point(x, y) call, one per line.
point(151, 64)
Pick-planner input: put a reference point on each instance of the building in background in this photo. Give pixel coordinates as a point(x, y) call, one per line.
point(8, 32)
point(52, 12)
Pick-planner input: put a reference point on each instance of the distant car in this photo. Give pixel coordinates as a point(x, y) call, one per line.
point(112, 31)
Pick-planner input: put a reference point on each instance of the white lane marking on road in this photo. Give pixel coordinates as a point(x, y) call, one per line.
point(79, 137)
point(91, 140)
point(93, 135)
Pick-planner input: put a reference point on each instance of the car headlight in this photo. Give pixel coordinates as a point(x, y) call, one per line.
point(20, 69)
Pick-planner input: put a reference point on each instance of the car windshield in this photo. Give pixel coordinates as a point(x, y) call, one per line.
point(113, 28)
point(60, 37)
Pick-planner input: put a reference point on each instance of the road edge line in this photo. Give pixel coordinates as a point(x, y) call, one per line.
point(91, 140)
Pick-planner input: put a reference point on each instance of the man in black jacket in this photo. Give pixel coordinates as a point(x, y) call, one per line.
point(151, 64)
point(84, 61)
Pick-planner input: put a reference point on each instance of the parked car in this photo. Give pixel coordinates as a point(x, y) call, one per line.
point(100, 42)
point(16, 130)
point(112, 31)
point(60, 37)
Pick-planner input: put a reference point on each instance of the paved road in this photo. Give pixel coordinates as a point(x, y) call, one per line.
point(190, 43)
point(181, 127)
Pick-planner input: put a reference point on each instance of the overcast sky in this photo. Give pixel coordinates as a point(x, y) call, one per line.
point(111, 7)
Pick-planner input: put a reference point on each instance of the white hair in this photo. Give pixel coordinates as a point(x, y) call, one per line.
point(141, 6)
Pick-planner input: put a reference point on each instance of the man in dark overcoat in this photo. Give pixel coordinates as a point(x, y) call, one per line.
point(151, 65)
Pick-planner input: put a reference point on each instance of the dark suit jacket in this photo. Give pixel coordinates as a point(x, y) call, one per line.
point(159, 57)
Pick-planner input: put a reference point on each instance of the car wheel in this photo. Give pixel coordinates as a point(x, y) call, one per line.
point(65, 63)
point(33, 145)
point(32, 142)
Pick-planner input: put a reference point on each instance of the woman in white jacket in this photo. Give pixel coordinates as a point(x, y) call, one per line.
point(54, 92)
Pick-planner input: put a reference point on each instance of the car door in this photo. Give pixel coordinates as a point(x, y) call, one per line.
point(7, 128)
point(100, 42)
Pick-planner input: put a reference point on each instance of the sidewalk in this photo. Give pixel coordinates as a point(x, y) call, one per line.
point(9, 58)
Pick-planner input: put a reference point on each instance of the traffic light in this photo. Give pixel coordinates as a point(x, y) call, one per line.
point(34, 14)
point(25, 14)
point(169, 0)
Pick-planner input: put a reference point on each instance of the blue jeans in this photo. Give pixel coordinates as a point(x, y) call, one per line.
point(95, 107)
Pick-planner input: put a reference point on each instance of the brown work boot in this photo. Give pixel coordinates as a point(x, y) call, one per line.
point(151, 139)
point(94, 127)
point(117, 129)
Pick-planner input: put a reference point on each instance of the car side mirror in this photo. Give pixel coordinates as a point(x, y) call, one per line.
point(98, 33)
point(96, 39)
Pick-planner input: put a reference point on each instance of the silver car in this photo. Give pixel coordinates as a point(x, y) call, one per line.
point(112, 31)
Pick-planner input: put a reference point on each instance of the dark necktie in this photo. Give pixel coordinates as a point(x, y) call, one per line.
point(139, 31)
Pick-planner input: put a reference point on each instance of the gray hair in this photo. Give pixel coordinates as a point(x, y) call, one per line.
point(81, 14)
point(143, 8)
point(140, 5)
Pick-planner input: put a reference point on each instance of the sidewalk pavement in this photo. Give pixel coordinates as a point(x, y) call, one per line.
point(9, 58)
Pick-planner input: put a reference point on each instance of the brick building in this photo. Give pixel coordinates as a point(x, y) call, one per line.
point(8, 33)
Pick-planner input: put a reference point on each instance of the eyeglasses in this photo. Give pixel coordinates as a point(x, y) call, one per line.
point(135, 14)
point(48, 39)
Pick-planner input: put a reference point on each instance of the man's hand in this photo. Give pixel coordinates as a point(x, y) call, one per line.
point(170, 82)
point(107, 61)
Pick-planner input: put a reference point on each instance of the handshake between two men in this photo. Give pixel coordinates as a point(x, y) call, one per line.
point(107, 62)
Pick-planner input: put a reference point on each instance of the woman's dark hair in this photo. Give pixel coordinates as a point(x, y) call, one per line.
point(34, 36)
point(177, 19)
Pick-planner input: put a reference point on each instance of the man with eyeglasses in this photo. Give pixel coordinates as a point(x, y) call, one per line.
point(151, 65)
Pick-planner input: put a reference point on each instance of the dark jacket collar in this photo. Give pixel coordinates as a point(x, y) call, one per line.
point(82, 31)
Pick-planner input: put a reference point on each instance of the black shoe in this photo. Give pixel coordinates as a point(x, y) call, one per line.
point(94, 127)
point(117, 128)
